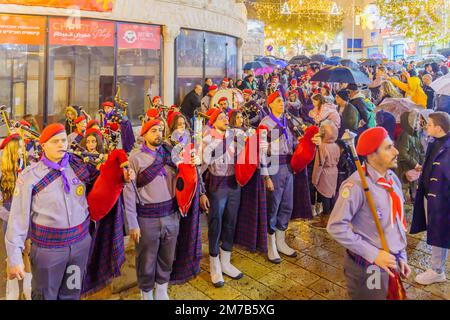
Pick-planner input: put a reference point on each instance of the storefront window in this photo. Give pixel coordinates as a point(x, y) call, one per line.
point(81, 65)
point(139, 66)
point(215, 56)
point(231, 58)
point(22, 47)
point(189, 62)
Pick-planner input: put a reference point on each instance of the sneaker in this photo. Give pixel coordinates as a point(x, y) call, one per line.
point(430, 276)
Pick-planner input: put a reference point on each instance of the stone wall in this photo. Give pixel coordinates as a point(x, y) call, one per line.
point(254, 43)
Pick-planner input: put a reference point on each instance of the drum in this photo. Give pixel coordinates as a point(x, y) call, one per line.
point(234, 96)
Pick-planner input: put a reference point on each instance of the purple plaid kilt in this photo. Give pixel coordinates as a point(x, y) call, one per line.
point(157, 210)
point(251, 226)
point(107, 253)
point(302, 198)
point(47, 237)
point(189, 245)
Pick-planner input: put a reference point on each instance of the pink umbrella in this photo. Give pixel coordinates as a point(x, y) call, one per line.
point(262, 71)
point(397, 106)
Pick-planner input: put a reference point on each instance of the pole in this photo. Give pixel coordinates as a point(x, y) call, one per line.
point(353, 30)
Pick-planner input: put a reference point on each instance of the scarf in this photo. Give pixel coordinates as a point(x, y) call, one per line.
point(282, 125)
point(61, 167)
point(395, 201)
point(154, 154)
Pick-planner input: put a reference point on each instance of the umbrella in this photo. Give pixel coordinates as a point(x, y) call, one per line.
point(299, 60)
point(393, 66)
point(340, 75)
point(281, 64)
point(397, 106)
point(442, 85)
point(254, 65)
point(377, 56)
point(349, 63)
point(268, 60)
point(319, 57)
point(261, 71)
point(445, 52)
point(333, 61)
point(435, 57)
point(371, 62)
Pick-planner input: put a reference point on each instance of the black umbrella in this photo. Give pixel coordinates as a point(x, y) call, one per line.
point(340, 75)
point(349, 63)
point(371, 62)
point(319, 57)
point(299, 60)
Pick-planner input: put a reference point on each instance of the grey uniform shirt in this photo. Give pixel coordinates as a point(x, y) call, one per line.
point(215, 160)
point(351, 222)
point(161, 189)
point(51, 207)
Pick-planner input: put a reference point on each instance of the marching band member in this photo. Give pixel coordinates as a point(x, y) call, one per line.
point(71, 114)
point(152, 212)
point(223, 104)
point(51, 201)
point(94, 124)
point(224, 196)
point(254, 111)
point(206, 100)
point(80, 128)
point(225, 83)
point(157, 102)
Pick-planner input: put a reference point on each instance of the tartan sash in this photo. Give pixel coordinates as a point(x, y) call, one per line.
point(47, 237)
point(80, 169)
point(78, 138)
point(157, 210)
point(163, 156)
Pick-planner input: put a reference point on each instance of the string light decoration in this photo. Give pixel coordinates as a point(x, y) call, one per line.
point(293, 23)
point(424, 21)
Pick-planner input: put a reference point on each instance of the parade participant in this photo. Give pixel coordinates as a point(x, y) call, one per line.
point(223, 104)
point(252, 109)
point(33, 123)
point(224, 195)
point(152, 114)
point(11, 157)
point(431, 208)
point(152, 212)
point(276, 86)
point(352, 225)
point(51, 201)
point(206, 100)
point(293, 104)
point(279, 179)
point(157, 102)
point(71, 113)
point(80, 128)
point(325, 171)
point(225, 83)
point(94, 124)
point(93, 141)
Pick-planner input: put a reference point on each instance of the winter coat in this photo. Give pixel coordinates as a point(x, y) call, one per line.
point(408, 145)
point(386, 120)
point(190, 103)
point(438, 197)
point(366, 110)
point(412, 90)
point(349, 119)
point(328, 112)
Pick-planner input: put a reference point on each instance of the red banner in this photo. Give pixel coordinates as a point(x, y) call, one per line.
point(88, 5)
point(22, 29)
point(135, 36)
point(81, 32)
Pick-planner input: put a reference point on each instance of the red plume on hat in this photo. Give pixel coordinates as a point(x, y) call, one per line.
point(305, 151)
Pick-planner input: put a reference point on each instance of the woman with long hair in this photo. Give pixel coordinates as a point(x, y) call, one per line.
point(11, 164)
point(387, 90)
point(324, 111)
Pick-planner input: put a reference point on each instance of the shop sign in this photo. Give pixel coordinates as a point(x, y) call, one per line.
point(82, 32)
point(88, 5)
point(411, 48)
point(136, 36)
point(22, 29)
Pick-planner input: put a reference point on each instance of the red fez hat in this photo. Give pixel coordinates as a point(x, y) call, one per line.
point(222, 99)
point(152, 113)
point(214, 114)
point(225, 80)
point(171, 116)
point(8, 139)
point(211, 88)
point(92, 123)
point(108, 104)
point(248, 91)
point(25, 123)
point(370, 140)
point(50, 131)
point(154, 98)
point(272, 97)
point(95, 131)
point(149, 125)
point(79, 119)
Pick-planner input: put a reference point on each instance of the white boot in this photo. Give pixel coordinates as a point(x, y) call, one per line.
point(27, 285)
point(430, 276)
point(282, 245)
point(216, 271)
point(227, 267)
point(147, 295)
point(12, 289)
point(272, 252)
point(161, 291)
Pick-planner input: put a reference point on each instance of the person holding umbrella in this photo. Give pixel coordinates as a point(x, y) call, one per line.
point(373, 250)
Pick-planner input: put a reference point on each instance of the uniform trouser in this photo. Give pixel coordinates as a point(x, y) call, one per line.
point(222, 218)
point(58, 272)
point(365, 283)
point(280, 202)
point(155, 251)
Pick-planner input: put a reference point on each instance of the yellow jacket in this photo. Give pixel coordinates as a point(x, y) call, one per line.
point(412, 90)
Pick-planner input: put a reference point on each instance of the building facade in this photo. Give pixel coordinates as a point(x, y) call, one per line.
point(52, 56)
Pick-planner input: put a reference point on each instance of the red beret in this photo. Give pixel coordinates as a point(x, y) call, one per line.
point(108, 104)
point(152, 113)
point(214, 114)
point(211, 88)
point(171, 116)
point(272, 97)
point(370, 140)
point(79, 119)
point(95, 131)
point(222, 99)
point(149, 125)
point(50, 131)
point(92, 123)
point(225, 80)
point(154, 98)
point(248, 91)
point(8, 139)
point(293, 82)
